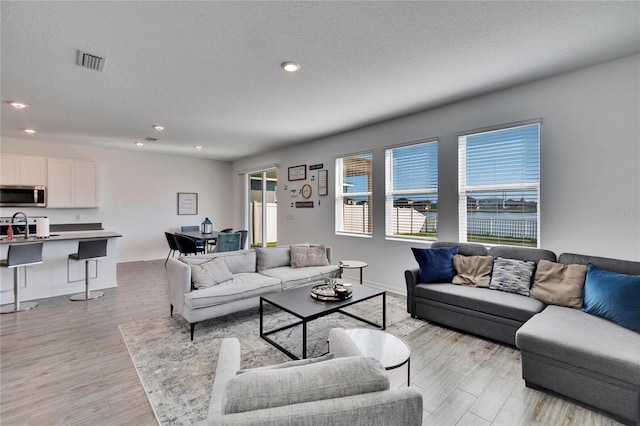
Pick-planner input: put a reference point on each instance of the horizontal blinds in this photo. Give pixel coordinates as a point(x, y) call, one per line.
point(412, 190)
point(499, 179)
point(354, 185)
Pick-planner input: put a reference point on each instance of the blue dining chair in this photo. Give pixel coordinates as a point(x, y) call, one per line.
point(228, 242)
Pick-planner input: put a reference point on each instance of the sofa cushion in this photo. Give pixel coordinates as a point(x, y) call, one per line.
point(308, 256)
point(436, 264)
point(499, 303)
point(273, 257)
point(210, 273)
point(296, 277)
point(242, 286)
point(583, 340)
point(335, 378)
point(512, 275)
point(237, 261)
point(472, 270)
point(522, 253)
point(295, 363)
point(559, 284)
point(613, 296)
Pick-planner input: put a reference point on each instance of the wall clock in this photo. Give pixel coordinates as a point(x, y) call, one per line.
point(306, 190)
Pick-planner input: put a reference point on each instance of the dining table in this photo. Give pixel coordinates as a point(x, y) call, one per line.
point(199, 236)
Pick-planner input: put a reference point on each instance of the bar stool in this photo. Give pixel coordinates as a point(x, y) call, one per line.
point(20, 255)
point(88, 250)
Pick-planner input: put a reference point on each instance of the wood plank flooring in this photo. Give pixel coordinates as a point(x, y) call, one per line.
point(65, 363)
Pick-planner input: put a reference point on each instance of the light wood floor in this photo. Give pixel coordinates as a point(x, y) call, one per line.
point(65, 363)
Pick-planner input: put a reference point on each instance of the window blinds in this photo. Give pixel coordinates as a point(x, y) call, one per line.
point(354, 190)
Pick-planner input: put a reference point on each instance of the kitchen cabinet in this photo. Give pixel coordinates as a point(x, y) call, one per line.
point(23, 170)
point(72, 183)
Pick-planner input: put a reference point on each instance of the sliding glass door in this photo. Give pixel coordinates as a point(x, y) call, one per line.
point(263, 208)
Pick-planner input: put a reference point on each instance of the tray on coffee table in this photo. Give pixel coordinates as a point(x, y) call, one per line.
point(327, 294)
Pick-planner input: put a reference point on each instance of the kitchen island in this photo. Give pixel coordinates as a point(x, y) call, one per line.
point(52, 277)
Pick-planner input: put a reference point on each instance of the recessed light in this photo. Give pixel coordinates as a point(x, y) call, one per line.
point(158, 128)
point(17, 105)
point(290, 66)
point(197, 146)
point(139, 144)
point(30, 131)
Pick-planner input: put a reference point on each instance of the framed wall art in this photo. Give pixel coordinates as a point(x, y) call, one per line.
point(298, 172)
point(187, 203)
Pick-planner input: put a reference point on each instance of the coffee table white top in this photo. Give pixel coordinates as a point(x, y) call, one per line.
point(386, 348)
point(352, 264)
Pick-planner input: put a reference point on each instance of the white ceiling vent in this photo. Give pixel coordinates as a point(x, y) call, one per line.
point(150, 139)
point(90, 61)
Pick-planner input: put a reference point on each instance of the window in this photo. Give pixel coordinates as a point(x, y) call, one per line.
point(412, 191)
point(499, 186)
point(354, 212)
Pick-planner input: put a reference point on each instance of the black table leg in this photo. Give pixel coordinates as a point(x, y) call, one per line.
point(304, 340)
point(384, 310)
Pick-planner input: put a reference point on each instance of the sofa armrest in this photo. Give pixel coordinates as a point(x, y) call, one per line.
point(411, 277)
point(395, 407)
point(341, 344)
point(228, 365)
point(179, 280)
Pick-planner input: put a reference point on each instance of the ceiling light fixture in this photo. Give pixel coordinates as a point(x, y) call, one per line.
point(197, 146)
point(158, 128)
point(290, 66)
point(30, 131)
point(17, 105)
point(139, 144)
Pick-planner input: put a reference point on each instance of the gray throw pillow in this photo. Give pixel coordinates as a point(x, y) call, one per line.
point(512, 275)
point(308, 256)
point(273, 257)
point(210, 273)
point(335, 378)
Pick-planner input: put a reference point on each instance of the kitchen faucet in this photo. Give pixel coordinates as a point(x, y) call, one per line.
point(26, 223)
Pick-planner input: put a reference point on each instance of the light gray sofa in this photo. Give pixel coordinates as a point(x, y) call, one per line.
point(255, 272)
point(563, 349)
point(356, 393)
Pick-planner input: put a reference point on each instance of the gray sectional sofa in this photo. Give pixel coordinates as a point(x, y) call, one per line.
point(253, 273)
point(563, 349)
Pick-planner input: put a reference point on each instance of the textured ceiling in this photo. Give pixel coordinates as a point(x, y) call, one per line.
point(210, 71)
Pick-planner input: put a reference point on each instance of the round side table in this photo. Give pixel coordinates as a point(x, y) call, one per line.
point(390, 350)
point(352, 264)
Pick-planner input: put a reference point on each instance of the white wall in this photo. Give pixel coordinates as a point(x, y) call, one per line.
point(138, 193)
point(590, 165)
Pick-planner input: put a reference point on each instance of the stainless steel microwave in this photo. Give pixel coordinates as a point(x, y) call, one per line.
point(23, 196)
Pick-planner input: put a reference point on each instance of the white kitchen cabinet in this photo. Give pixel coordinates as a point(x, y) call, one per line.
point(23, 170)
point(72, 183)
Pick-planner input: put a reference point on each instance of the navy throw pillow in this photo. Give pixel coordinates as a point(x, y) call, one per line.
point(436, 264)
point(613, 296)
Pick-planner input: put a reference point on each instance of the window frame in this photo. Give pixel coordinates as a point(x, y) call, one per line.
point(464, 189)
point(340, 195)
point(390, 193)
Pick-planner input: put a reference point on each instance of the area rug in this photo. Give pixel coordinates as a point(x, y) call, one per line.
point(177, 374)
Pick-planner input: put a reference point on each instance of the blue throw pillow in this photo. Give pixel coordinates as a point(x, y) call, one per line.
point(436, 265)
point(613, 296)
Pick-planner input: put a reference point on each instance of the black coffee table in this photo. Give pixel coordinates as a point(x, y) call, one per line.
point(299, 303)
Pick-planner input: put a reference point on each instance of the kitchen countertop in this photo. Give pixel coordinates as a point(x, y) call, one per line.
point(60, 236)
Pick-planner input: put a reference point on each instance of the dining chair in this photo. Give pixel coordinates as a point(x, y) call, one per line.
point(188, 245)
point(173, 245)
point(228, 241)
point(193, 228)
point(212, 243)
point(243, 239)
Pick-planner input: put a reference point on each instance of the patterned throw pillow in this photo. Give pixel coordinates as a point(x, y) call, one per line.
point(512, 275)
point(308, 256)
point(210, 273)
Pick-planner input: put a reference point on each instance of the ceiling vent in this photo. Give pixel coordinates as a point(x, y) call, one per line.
point(150, 139)
point(92, 62)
